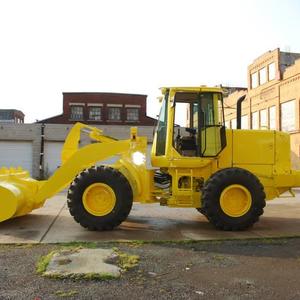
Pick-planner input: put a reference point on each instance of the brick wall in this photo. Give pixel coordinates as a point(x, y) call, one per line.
point(284, 87)
point(105, 99)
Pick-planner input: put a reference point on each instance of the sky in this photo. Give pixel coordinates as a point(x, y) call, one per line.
point(133, 46)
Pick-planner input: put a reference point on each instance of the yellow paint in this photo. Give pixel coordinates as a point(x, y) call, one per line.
point(253, 147)
point(99, 199)
point(235, 200)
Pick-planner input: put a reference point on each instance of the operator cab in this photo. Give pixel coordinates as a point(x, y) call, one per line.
point(198, 124)
point(195, 122)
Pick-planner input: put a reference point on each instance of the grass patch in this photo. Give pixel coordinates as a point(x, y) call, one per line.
point(79, 245)
point(125, 260)
point(87, 276)
point(66, 294)
point(43, 262)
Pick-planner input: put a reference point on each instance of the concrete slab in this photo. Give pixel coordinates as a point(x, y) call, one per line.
point(53, 224)
point(33, 227)
point(83, 262)
point(145, 222)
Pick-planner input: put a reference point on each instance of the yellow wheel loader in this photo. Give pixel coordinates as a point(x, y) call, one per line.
point(196, 162)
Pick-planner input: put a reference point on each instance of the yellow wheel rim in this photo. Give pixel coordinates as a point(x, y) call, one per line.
point(235, 200)
point(99, 199)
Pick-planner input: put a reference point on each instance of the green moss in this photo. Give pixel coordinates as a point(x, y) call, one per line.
point(43, 262)
point(90, 245)
point(126, 261)
point(219, 257)
point(97, 276)
point(65, 294)
point(87, 276)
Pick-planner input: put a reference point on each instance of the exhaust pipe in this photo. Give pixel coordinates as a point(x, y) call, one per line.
point(239, 112)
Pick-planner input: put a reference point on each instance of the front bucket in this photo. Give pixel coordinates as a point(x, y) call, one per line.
point(10, 200)
point(17, 191)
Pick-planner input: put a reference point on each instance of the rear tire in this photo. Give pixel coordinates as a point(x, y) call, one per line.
point(100, 198)
point(233, 199)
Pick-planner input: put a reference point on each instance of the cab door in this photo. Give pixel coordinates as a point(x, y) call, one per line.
point(202, 132)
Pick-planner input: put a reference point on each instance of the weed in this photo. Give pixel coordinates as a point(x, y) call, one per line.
point(65, 294)
point(43, 262)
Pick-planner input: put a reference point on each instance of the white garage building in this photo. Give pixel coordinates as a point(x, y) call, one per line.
point(21, 145)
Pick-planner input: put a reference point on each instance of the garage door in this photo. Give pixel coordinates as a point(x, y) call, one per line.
point(14, 154)
point(52, 158)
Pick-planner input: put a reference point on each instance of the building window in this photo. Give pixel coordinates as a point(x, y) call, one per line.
point(288, 116)
point(254, 80)
point(95, 113)
point(76, 113)
point(263, 119)
point(132, 114)
point(263, 75)
point(114, 113)
point(233, 123)
point(244, 122)
point(255, 124)
point(272, 117)
point(272, 71)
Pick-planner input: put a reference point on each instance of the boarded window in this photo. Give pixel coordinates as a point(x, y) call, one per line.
point(263, 75)
point(272, 71)
point(264, 119)
point(272, 117)
point(255, 124)
point(254, 80)
point(288, 116)
point(233, 123)
point(244, 122)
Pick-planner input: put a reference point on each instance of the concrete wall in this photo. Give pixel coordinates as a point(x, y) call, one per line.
point(58, 133)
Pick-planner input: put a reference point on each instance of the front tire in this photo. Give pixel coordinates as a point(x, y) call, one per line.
point(233, 199)
point(100, 198)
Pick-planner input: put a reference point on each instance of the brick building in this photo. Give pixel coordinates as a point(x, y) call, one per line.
point(11, 116)
point(272, 97)
point(37, 147)
point(103, 109)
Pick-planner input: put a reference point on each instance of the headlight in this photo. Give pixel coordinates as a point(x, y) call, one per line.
point(138, 158)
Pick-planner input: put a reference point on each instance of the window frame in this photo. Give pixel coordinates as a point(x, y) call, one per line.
point(293, 110)
point(136, 109)
point(263, 113)
point(72, 114)
point(255, 113)
point(263, 74)
point(243, 118)
point(100, 113)
point(274, 76)
point(271, 119)
point(252, 77)
point(109, 116)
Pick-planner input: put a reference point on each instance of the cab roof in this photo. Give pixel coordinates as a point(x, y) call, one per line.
point(193, 89)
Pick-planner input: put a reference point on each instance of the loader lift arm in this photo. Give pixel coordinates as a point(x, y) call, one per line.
point(72, 141)
point(25, 194)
